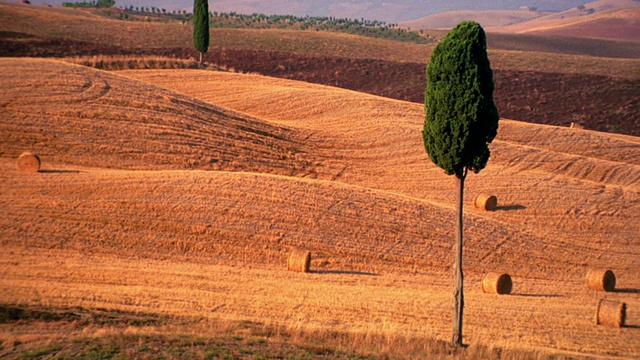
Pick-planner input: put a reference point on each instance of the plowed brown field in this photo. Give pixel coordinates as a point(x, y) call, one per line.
point(182, 192)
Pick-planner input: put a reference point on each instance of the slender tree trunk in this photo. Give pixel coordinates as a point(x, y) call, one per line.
point(200, 62)
point(458, 295)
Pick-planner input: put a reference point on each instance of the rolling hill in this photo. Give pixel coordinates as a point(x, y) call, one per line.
point(163, 190)
point(169, 200)
point(541, 79)
point(603, 19)
point(487, 18)
point(600, 20)
point(387, 10)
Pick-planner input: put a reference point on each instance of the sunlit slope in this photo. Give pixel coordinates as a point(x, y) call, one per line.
point(569, 187)
point(242, 217)
point(149, 228)
point(83, 117)
point(373, 199)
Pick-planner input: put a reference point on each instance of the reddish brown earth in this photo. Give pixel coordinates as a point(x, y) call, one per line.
point(602, 103)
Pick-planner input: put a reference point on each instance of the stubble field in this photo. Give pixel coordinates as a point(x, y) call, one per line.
point(181, 193)
point(540, 78)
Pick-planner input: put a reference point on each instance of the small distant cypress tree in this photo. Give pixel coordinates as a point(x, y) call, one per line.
point(461, 120)
point(201, 27)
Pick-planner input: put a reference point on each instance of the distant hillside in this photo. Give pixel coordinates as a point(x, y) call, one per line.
point(449, 19)
point(605, 19)
point(384, 10)
point(597, 93)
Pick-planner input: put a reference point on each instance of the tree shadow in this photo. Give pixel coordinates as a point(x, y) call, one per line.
point(511, 207)
point(539, 295)
point(59, 171)
point(627, 291)
point(627, 326)
point(343, 272)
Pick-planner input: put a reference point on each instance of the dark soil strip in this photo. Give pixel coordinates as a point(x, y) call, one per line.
point(594, 102)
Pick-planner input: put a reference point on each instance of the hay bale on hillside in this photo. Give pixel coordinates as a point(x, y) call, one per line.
point(611, 313)
point(601, 280)
point(486, 202)
point(495, 283)
point(299, 261)
point(28, 162)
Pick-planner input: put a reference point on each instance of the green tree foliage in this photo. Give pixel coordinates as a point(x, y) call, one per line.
point(98, 3)
point(461, 120)
point(461, 117)
point(201, 27)
point(370, 28)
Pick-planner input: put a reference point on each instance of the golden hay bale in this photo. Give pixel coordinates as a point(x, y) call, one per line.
point(601, 280)
point(494, 283)
point(611, 313)
point(299, 261)
point(28, 162)
point(486, 202)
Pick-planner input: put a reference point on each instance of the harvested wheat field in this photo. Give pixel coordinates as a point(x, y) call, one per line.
point(183, 192)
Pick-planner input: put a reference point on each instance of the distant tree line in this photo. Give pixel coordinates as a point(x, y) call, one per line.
point(153, 10)
point(364, 27)
point(97, 3)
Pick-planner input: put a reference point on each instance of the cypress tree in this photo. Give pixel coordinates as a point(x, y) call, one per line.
point(461, 120)
point(201, 27)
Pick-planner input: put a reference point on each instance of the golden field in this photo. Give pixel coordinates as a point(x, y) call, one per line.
point(181, 193)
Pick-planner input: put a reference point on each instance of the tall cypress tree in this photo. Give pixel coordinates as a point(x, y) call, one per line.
point(201, 27)
point(461, 120)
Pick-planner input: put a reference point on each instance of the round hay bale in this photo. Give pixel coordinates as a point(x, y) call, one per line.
point(28, 162)
point(486, 202)
point(299, 261)
point(601, 280)
point(611, 313)
point(494, 283)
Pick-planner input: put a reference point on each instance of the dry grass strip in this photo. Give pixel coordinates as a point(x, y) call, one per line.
point(28, 162)
point(495, 283)
point(611, 313)
point(601, 280)
point(486, 202)
point(299, 261)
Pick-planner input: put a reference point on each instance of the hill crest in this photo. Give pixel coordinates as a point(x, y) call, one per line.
point(603, 19)
point(390, 11)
